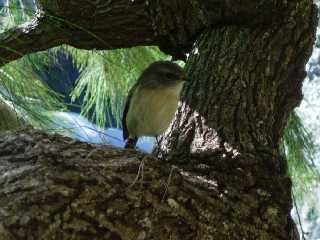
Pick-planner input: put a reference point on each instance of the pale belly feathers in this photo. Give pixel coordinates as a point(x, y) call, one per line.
point(151, 114)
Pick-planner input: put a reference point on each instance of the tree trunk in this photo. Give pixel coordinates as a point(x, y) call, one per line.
point(245, 83)
point(229, 180)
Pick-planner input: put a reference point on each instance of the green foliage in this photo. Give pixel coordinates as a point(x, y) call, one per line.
point(297, 145)
point(22, 88)
point(14, 12)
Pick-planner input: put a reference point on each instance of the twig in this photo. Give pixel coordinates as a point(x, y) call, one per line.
point(140, 172)
point(168, 183)
point(299, 219)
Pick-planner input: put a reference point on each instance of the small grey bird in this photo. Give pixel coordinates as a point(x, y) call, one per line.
point(152, 101)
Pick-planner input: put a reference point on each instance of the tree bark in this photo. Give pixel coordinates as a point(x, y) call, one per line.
point(171, 25)
point(57, 188)
point(229, 179)
point(245, 83)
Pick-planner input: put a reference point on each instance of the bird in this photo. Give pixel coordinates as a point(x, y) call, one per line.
point(152, 101)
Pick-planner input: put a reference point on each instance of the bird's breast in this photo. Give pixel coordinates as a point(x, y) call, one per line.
point(152, 110)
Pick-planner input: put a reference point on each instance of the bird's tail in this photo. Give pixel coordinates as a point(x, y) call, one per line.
point(131, 143)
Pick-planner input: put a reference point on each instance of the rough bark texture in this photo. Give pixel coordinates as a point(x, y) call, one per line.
point(172, 25)
point(57, 188)
point(246, 81)
point(230, 181)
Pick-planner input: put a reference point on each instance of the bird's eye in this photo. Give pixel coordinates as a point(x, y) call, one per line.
point(171, 76)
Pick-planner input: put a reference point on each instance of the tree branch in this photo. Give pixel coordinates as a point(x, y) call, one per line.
point(30, 37)
point(171, 25)
point(52, 187)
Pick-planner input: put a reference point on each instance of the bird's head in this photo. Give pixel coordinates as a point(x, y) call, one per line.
point(163, 73)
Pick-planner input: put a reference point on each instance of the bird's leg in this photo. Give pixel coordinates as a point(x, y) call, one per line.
point(131, 143)
point(140, 172)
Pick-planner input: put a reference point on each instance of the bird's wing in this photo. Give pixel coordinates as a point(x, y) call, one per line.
point(125, 112)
